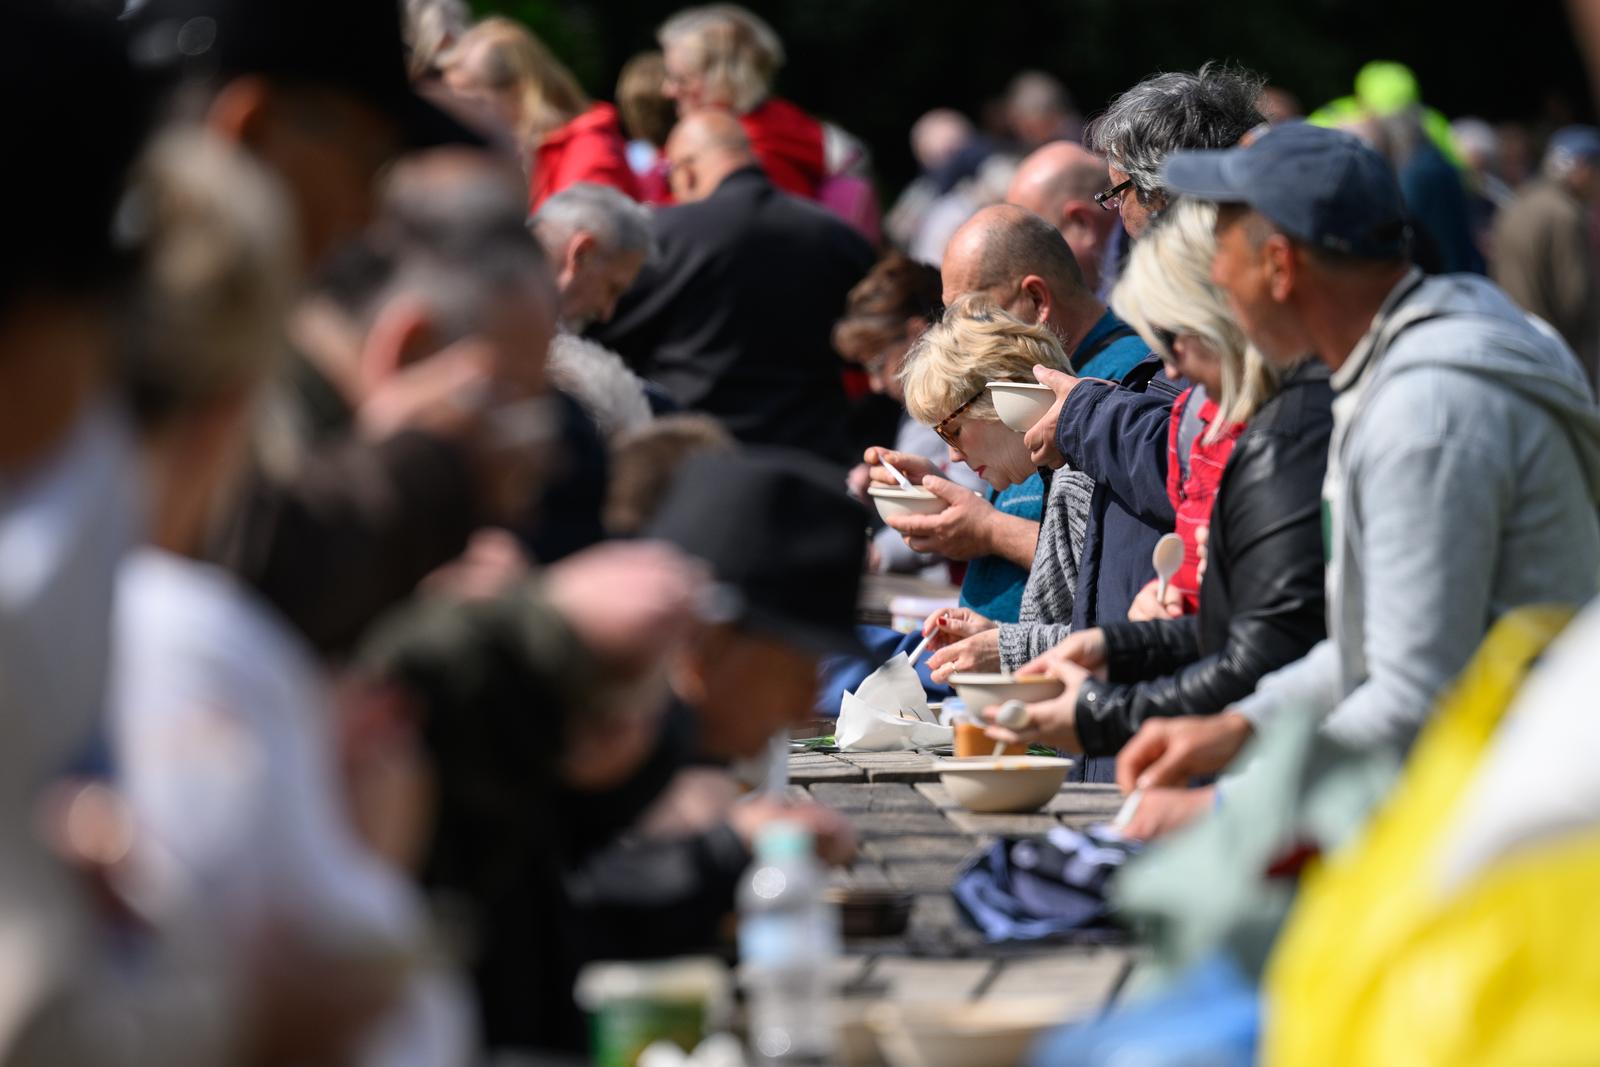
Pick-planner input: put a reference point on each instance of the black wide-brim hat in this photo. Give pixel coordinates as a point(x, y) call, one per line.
point(781, 536)
point(352, 45)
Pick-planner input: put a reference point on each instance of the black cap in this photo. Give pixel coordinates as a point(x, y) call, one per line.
point(1326, 187)
point(353, 45)
point(778, 529)
point(77, 118)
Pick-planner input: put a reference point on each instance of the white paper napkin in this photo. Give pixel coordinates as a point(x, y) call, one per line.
point(889, 712)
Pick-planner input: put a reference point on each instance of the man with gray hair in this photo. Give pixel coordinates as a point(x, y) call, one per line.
point(1542, 255)
point(1210, 108)
point(597, 240)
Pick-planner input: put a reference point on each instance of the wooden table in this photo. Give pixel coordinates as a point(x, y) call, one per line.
point(877, 590)
point(914, 837)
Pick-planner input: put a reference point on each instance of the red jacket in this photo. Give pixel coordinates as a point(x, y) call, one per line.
point(590, 148)
point(1192, 495)
point(788, 142)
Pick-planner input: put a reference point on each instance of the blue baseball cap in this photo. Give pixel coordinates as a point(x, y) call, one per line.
point(1325, 187)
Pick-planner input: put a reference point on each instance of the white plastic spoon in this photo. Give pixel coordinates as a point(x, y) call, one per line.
point(1167, 558)
point(1013, 716)
point(905, 483)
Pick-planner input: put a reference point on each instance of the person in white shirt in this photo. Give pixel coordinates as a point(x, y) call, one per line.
point(221, 724)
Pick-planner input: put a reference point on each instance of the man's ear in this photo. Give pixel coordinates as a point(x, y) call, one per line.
point(240, 110)
point(1038, 290)
point(402, 334)
point(1282, 263)
point(1079, 215)
point(581, 248)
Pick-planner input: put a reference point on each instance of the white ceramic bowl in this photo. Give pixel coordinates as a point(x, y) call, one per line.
point(1021, 404)
point(989, 1033)
point(1006, 783)
point(979, 691)
point(894, 500)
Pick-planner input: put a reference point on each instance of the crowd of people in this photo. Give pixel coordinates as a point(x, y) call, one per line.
point(426, 491)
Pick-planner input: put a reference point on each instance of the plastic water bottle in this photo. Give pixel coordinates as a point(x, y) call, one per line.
point(788, 946)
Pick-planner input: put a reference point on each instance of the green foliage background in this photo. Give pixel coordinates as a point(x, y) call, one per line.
point(874, 65)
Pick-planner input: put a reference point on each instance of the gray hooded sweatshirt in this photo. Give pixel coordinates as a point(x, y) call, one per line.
point(1463, 481)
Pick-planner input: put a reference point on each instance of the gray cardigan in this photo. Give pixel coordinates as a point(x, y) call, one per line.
point(1046, 617)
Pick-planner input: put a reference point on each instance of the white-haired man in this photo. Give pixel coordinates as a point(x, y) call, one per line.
point(596, 240)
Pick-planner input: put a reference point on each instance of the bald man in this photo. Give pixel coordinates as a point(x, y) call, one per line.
point(1058, 183)
point(1023, 264)
point(702, 150)
point(733, 313)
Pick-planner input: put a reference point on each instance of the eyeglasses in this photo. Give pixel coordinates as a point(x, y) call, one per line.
point(942, 427)
point(1111, 199)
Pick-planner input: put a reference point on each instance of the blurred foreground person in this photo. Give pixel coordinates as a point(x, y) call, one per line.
point(1465, 467)
point(538, 702)
point(749, 674)
point(385, 451)
point(86, 985)
point(325, 111)
point(222, 726)
point(733, 310)
point(1543, 253)
point(565, 138)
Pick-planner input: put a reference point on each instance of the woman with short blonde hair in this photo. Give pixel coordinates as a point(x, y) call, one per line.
point(566, 137)
point(944, 376)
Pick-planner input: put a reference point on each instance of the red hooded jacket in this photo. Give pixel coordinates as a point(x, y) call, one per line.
point(590, 148)
point(788, 142)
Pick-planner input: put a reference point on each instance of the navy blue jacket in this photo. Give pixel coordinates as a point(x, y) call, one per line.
point(1118, 435)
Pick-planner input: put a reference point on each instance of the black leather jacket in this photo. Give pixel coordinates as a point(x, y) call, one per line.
point(1261, 604)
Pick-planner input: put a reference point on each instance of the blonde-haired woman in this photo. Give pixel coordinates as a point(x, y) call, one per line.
point(976, 342)
point(1261, 597)
point(724, 56)
point(1168, 281)
point(566, 138)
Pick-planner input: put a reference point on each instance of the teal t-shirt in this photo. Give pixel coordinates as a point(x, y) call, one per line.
point(993, 586)
point(1115, 359)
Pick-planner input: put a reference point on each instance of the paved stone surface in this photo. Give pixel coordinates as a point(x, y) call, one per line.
point(852, 798)
point(923, 876)
point(903, 772)
point(914, 837)
point(936, 794)
point(913, 848)
point(971, 822)
point(885, 823)
point(809, 769)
